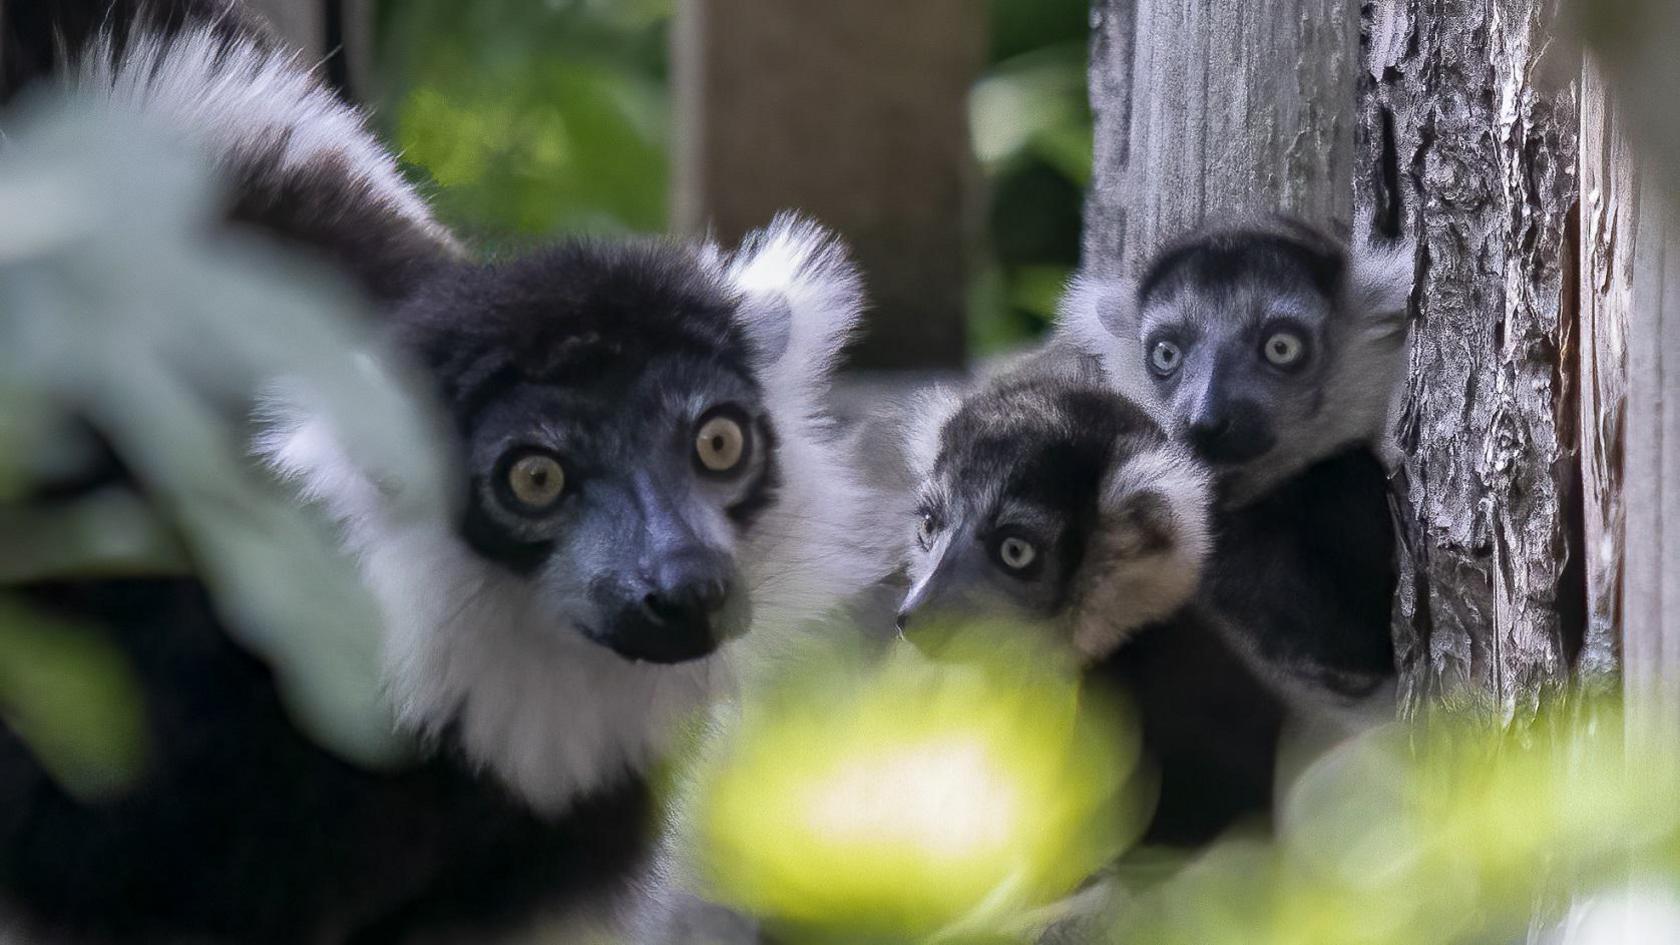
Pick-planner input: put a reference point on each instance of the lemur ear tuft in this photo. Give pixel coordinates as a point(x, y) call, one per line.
point(1098, 317)
point(1096, 312)
point(801, 296)
point(924, 423)
point(1157, 503)
point(1380, 274)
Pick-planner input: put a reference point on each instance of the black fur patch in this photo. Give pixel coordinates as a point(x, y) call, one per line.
point(578, 315)
point(1281, 250)
point(244, 830)
point(1308, 572)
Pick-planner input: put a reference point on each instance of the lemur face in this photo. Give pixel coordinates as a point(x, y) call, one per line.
point(1238, 332)
point(1265, 346)
point(613, 438)
point(1059, 505)
point(645, 468)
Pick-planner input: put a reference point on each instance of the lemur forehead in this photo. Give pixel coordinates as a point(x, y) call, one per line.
point(574, 315)
point(1045, 441)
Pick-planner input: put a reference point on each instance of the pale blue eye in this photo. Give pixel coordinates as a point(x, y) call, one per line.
point(1284, 348)
point(1016, 553)
point(1165, 357)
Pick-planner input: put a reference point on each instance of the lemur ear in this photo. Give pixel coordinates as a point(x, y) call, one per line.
point(1380, 274)
point(1098, 317)
point(924, 421)
point(802, 297)
point(1095, 312)
point(1155, 503)
point(1147, 552)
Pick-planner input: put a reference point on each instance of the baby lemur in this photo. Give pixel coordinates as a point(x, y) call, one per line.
point(643, 473)
point(1274, 350)
point(1056, 504)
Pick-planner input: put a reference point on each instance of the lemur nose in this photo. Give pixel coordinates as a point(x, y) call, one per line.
point(1206, 432)
point(692, 600)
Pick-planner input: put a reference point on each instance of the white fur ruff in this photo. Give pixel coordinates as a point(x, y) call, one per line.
point(246, 107)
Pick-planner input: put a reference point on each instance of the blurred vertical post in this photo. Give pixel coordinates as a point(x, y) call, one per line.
point(337, 34)
point(300, 24)
point(1630, 156)
point(1208, 108)
point(855, 113)
point(1471, 112)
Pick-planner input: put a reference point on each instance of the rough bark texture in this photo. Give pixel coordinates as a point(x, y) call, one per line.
point(855, 113)
point(1226, 108)
point(1482, 103)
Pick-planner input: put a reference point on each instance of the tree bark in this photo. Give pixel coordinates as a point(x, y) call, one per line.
point(855, 113)
point(1225, 108)
point(1482, 106)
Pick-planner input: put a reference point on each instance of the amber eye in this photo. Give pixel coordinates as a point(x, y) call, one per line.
point(536, 481)
point(720, 444)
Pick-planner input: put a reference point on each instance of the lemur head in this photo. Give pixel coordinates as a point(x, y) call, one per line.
point(1054, 502)
point(1265, 346)
point(614, 437)
point(644, 474)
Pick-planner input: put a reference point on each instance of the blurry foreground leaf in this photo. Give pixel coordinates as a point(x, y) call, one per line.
point(124, 302)
point(72, 697)
point(920, 801)
point(1445, 834)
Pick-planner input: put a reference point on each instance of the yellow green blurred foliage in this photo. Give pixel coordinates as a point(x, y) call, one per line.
point(914, 800)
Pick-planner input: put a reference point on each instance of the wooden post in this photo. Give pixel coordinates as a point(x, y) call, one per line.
point(1608, 227)
point(1482, 103)
point(855, 113)
point(1227, 107)
point(300, 24)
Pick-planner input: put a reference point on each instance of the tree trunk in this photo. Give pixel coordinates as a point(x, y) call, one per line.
point(1482, 106)
point(1225, 108)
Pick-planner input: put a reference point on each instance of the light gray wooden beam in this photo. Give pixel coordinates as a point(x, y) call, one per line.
point(1224, 108)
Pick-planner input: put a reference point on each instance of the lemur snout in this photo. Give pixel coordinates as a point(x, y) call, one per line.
point(672, 617)
point(1230, 433)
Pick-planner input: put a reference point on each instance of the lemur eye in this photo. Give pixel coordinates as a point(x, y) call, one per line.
point(925, 531)
point(1016, 553)
point(536, 481)
point(1284, 349)
point(720, 444)
point(1164, 357)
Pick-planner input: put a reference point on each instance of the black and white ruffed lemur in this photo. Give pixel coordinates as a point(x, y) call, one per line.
point(644, 472)
point(1274, 350)
point(1048, 500)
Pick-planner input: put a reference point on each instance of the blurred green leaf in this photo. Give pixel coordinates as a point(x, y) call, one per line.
point(125, 305)
point(534, 118)
point(73, 699)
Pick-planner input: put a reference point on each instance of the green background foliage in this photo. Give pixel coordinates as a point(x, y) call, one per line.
point(525, 119)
